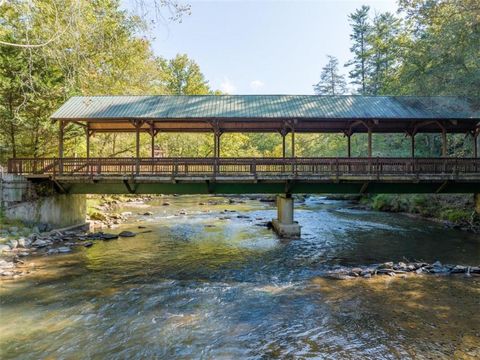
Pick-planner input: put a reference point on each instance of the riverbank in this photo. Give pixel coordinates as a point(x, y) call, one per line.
point(453, 211)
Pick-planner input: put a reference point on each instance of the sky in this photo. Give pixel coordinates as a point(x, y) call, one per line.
point(263, 46)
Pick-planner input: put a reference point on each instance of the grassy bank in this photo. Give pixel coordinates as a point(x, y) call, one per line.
point(456, 210)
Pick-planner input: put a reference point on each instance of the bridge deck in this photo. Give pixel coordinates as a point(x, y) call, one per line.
point(245, 167)
point(254, 175)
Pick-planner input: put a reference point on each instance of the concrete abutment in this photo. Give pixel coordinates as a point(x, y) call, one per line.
point(20, 201)
point(285, 225)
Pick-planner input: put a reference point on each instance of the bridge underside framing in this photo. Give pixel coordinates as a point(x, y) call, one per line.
point(202, 186)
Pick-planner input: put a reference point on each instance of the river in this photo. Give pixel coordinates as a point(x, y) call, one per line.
point(206, 283)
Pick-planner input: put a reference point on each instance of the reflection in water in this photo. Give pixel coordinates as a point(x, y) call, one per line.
point(216, 284)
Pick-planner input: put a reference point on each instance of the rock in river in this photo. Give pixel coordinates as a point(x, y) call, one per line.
point(64, 249)
point(4, 247)
point(107, 236)
point(127, 234)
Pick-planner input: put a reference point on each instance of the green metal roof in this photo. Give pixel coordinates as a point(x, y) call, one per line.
point(267, 106)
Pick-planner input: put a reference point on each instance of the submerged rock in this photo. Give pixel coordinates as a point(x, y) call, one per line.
point(107, 236)
point(127, 234)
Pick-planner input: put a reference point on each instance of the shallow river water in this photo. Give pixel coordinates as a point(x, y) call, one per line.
point(211, 284)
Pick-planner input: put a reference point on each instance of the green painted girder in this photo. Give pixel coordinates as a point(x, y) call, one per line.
point(372, 187)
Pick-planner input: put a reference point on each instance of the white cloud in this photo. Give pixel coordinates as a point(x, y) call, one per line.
point(256, 84)
point(227, 86)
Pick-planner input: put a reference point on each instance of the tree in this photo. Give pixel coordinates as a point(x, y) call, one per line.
point(360, 48)
point(152, 10)
point(383, 54)
point(331, 81)
point(442, 51)
point(99, 54)
point(182, 76)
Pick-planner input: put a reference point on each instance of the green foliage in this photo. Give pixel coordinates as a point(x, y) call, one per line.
point(454, 208)
point(455, 215)
point(331, 81)
point(182, 76)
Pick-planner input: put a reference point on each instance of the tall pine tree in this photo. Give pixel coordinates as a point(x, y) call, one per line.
point(331, 81)
point(360, 48)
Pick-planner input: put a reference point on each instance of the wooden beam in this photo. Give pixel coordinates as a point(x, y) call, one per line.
point(442, 187)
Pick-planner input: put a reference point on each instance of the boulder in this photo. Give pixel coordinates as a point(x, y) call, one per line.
point(22, 242)
point(6, 264)
point(106, 236)
point(475, 270)
point(4, 248)
point(40, 243)
point(458, 269)
point(13, 243)
point(148, 213)
point(387, 265)
point(127, 234)
point(64, 249)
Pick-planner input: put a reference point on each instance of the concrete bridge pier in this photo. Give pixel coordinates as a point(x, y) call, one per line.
point(284, 225)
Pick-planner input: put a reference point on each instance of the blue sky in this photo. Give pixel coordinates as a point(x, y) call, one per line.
point(262, 47)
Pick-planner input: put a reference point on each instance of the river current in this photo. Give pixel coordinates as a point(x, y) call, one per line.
point(207, 280)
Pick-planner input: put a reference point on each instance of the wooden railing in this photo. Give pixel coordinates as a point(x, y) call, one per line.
point(178, 167)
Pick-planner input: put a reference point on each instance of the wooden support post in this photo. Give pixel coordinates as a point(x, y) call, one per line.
point(216, 144)
point(153, 146)
point(369, 142)
point(61, 128)
point(293, 143)
point(137, 137)
point(475, 145)
point(283, 146)
point(444, 143)
point(413, 145)
point(349, 145)
point(87, 131)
